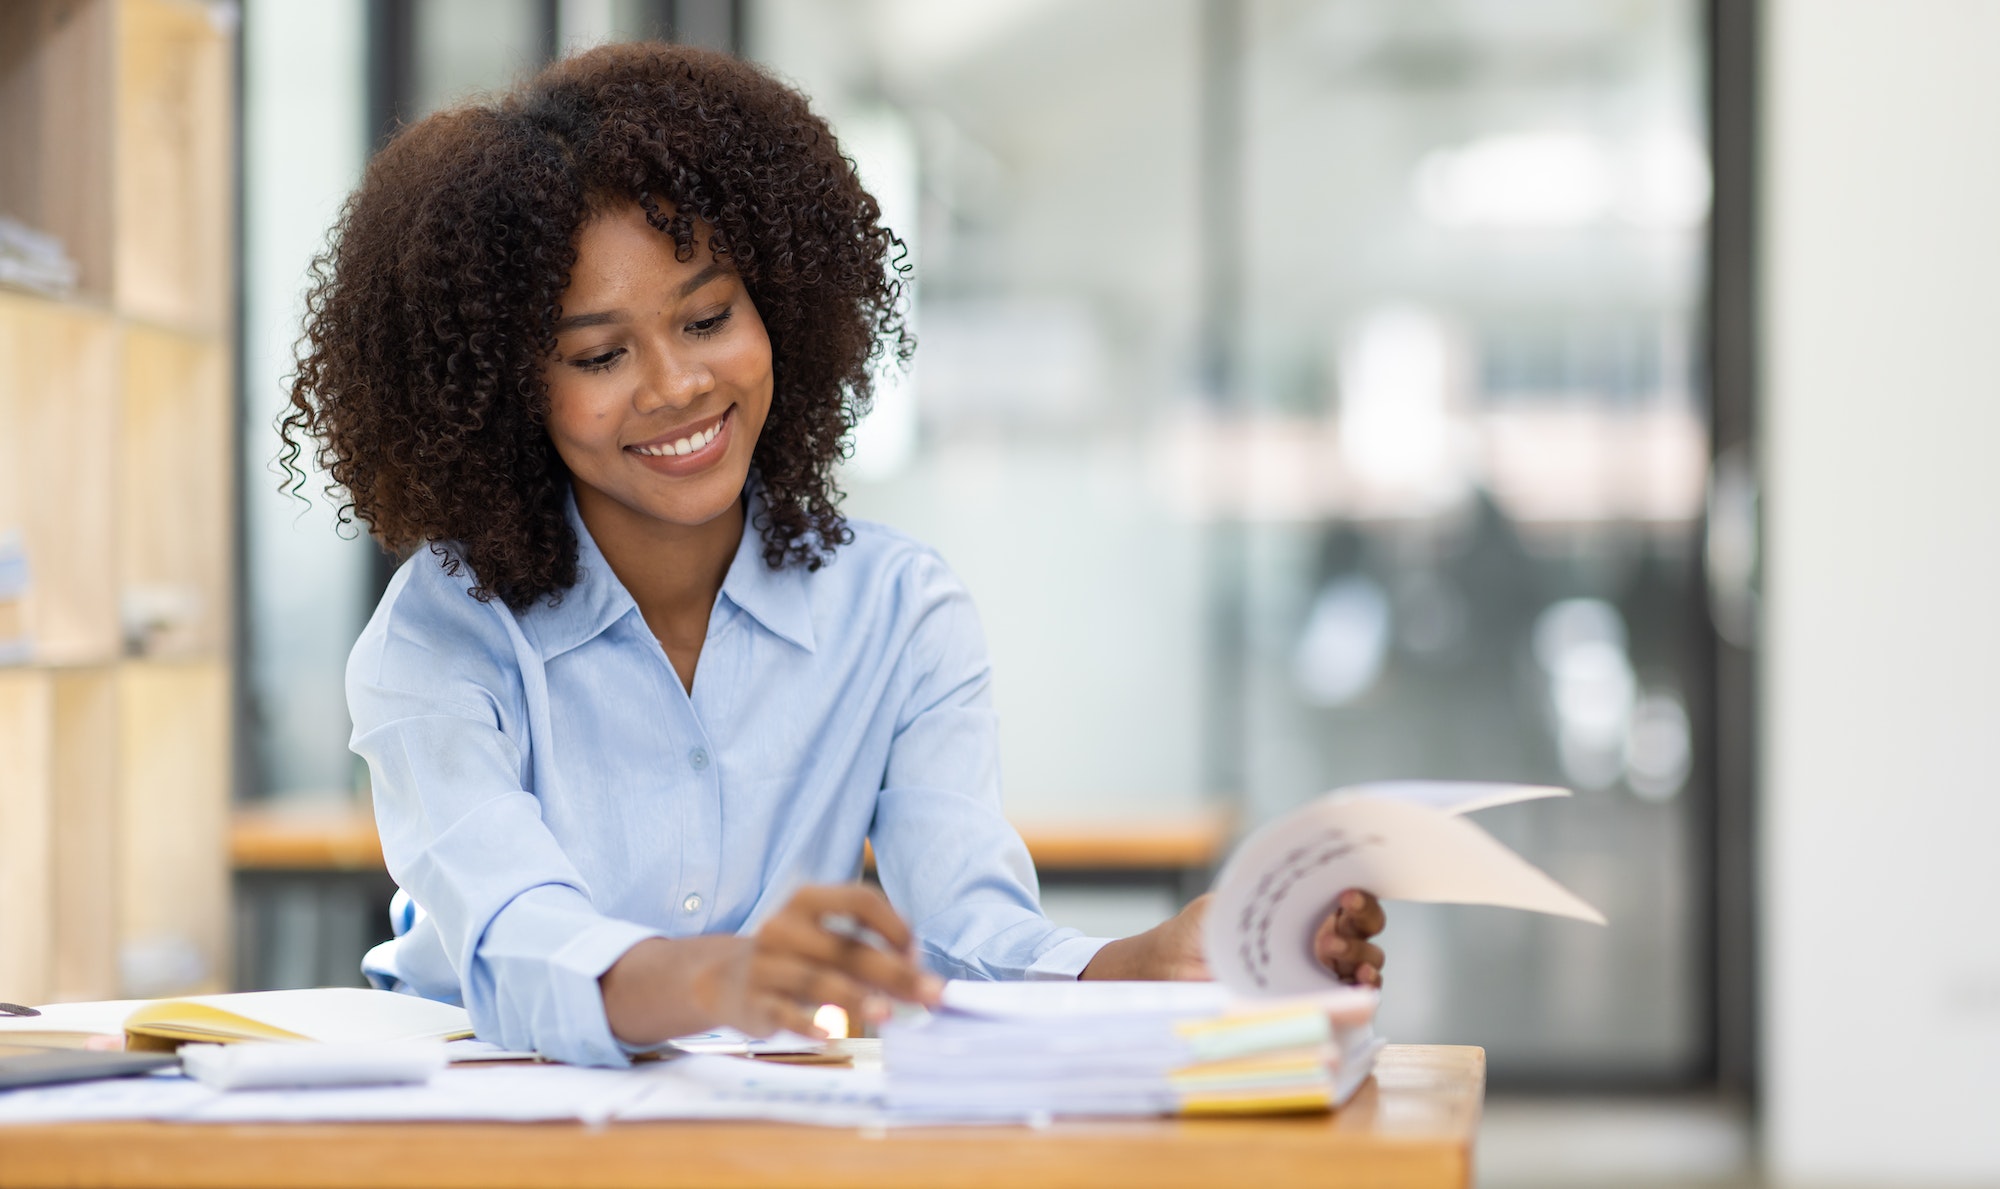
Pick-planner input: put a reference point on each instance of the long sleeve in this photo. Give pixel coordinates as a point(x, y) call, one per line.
point(948, 857)
point(431, 694)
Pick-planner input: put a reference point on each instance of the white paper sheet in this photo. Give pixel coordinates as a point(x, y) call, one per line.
point(712, 1087)
point(1401, 842)
point(103, 1018)
point(1455, 797)
point(163, 1096)
point(730, 1042)
point(468, 1052)
point(312, 1066)
point(484, 1093)
point(1068, 1000)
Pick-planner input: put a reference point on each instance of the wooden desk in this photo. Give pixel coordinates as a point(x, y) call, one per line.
point(1412, 1126)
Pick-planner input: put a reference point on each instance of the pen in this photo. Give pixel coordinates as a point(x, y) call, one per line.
point(841, 925)
point(15, 1009)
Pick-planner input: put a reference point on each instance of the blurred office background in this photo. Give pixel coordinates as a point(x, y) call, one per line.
point(1316, 391)
point(1308, 392)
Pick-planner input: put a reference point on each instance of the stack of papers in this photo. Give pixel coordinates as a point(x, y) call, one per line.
point(1039, 1050)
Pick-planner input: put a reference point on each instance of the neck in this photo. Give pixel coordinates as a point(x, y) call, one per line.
point(673, 571)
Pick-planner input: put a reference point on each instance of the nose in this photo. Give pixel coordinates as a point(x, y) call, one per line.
point(672, 381)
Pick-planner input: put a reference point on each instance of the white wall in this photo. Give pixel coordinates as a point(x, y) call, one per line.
point(1882, 696)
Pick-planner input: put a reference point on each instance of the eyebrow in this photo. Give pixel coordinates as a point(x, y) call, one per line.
point(610, 317)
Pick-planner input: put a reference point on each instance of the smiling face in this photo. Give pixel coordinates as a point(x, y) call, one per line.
point(661, 378)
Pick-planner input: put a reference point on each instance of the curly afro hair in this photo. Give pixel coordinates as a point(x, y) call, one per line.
point(429, 317)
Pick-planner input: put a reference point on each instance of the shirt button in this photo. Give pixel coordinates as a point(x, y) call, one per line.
point(693, 902)
point(699, 758)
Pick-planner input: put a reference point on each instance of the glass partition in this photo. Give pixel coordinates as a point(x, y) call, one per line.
point(1308, 393)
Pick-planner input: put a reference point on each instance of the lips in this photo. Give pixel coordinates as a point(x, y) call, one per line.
point(688, 450)
point(682, 442)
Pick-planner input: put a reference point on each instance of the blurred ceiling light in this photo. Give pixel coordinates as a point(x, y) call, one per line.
point(1399, 433)
point(1557, 180)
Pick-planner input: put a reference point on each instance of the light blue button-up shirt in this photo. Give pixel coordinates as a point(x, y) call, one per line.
point(549, 794)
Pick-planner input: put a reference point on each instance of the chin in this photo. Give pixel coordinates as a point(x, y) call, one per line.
point(698, 501)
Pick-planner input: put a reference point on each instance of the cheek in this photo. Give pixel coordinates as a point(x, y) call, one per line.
point(750, 364)
point(577, 424)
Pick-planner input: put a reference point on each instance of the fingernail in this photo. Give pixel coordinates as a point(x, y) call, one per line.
point(931, 986)
point(1333, 947)
point(875, 1009)
point(1351, 900)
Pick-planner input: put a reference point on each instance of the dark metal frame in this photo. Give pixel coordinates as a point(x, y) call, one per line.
point(1734, 44)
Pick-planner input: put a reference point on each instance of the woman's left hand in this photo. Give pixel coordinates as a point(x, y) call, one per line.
point(1342, 944)
point(1172, 950)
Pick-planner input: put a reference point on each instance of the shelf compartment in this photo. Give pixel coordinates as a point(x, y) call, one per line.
point(174, 521)
point(172, 164)
point(84, 828)
point(59, 374)
point(56, 73)
point(27, 807)
point(173, 827)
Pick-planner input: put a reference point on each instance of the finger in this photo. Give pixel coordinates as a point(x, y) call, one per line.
point(1369, 976)
point(1344, 955)
point(1359, 913)
point(1360, 954)
point(895, 974)
point(831, 986)
point(786, 974)
point(1331, 947)
point(778, 1012)
point(799, 987)
point(807, 984)
point(868, 906)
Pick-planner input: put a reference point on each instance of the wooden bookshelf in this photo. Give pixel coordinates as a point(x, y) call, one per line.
point(115, 478)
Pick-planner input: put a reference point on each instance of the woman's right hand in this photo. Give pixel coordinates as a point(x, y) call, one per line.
point(795, 963)
point(774, 979)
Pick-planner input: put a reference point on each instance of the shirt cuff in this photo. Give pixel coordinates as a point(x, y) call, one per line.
point(578, 1000)
point(1066, 959)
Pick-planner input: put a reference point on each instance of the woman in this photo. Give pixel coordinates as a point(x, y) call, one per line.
point(633, 704)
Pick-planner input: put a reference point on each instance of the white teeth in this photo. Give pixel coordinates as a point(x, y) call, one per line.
point(686, 445)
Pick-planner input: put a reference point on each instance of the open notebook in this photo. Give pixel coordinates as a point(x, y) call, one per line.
point(336, 1014)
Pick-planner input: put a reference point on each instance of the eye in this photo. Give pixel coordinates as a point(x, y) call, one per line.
point(598, 363)
point(709, 326)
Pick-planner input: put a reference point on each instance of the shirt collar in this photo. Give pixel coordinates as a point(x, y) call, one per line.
point(778, 599)
point(781, 599)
